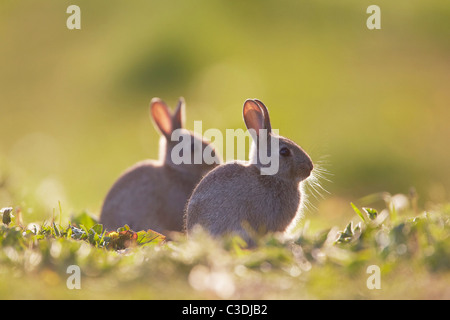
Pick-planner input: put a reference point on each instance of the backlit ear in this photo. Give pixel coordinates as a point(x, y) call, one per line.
point(161, 117)
point(179, 115)
point(267, 124)
point(253, 116)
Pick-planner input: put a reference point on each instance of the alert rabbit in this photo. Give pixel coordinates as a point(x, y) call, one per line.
point(240, 198)
point(153, 194)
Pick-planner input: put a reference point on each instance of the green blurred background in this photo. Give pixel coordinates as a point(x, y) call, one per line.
point(371, 106)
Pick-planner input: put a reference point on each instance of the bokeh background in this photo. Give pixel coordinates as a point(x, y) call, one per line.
point(372, 106)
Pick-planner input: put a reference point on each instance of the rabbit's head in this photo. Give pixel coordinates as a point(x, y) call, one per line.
point(180, 148)
point(273, 154)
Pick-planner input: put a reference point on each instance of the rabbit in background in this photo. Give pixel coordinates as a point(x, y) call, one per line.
point(240, 198)
point(152, 194)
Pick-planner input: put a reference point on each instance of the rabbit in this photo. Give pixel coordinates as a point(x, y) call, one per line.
point(153, 194)
point(238, 198)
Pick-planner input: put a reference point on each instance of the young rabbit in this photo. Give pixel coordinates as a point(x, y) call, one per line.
point(153, 194)
point(240, 198)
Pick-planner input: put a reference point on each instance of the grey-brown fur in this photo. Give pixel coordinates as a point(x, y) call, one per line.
point(235, 198)
point(153, 193)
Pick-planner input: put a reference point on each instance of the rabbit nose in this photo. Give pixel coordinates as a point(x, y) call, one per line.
point(307, 167)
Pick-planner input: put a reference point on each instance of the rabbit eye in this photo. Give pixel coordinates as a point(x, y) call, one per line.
point(285, 152)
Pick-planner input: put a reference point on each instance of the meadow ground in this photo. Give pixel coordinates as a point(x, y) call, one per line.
point(392, 254)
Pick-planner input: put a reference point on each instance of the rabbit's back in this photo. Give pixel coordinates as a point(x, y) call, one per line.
point(144, 198)
point(207, 206)
point(235, 195)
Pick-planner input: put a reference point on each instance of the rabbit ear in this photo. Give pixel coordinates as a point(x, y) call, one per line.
point(253, 116)
point(267, 124)
point(161, 116)
point(179, 115)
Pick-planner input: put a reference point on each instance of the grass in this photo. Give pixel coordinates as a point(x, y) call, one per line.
point(411, 249)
